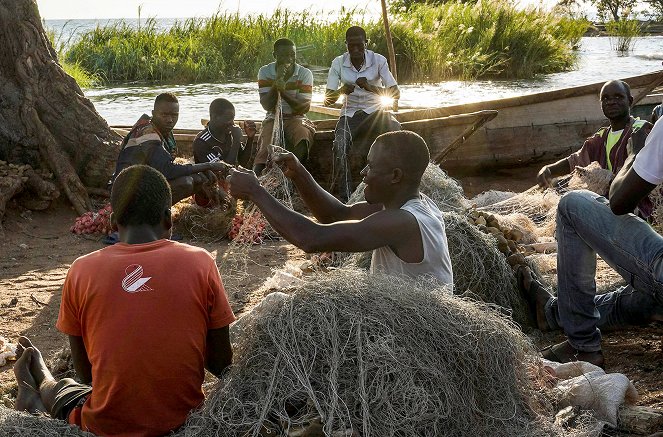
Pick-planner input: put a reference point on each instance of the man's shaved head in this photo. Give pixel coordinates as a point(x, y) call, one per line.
point(406, 150)
point(620, 83)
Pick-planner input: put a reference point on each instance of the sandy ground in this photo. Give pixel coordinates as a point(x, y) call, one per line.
point(38, 249)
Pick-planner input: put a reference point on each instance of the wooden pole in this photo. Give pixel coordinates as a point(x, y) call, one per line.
point(390, 46)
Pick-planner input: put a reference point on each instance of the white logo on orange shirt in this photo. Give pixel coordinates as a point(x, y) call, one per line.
point(134, 282)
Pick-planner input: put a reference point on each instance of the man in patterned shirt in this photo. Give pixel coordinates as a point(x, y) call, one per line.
point(294, 84)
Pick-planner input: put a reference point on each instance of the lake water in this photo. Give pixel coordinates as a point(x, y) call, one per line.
point(122, 105)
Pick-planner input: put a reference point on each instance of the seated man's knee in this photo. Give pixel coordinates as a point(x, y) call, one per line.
point(182, 183)
point(573, 200)
point(181, 187)
point(300, 150)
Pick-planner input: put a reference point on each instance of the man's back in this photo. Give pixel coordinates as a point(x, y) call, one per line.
point(143, 311)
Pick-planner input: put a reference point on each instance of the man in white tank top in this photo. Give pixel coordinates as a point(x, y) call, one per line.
point(402, 227)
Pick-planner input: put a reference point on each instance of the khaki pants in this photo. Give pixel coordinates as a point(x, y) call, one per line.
point(295, 129)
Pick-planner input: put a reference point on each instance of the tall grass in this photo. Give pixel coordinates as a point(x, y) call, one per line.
point(488, 39)
point(624, 32)
point(83, 77)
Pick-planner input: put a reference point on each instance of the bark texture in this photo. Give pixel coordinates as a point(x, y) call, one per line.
point(45, 120)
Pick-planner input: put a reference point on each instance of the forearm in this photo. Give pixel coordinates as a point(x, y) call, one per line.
point(268, 100)
point(299, 106)
point(325, 207)
point(236, 146)
point(294, 227)
point(560, 168)
point(81, 362)
point(331, 97)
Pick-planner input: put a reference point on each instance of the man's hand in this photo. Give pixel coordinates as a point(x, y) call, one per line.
point(287, 161)
point(242, 183)
point(250, 128)
point(347, 89)
point(544, 178)
point(219, 166)
point(279, 84)
point(362, 82)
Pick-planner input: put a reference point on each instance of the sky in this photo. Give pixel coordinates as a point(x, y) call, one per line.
point(103, 9)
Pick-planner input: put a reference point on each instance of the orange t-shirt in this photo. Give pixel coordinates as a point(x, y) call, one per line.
point(143, 311)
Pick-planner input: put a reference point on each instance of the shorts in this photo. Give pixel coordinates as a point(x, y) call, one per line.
point(69, 401)
point(296, 130)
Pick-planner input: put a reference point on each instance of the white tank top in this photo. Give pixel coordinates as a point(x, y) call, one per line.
point(436, 261)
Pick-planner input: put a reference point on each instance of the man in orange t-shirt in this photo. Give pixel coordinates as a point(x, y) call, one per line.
point(144, 317)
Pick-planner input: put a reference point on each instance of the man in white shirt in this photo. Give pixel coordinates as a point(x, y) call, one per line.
point(364, 78)
point(403, 228)
point(587, 225)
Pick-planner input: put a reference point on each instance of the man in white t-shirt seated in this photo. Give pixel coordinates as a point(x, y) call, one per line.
point(587, 225)
point(403, 228)
point(364, 78)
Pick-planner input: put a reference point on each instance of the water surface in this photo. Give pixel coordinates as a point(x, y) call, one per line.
point(597, 61)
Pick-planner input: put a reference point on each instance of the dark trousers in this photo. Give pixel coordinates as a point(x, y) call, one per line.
point(357, 132)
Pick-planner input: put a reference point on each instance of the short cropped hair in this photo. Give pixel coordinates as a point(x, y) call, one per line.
point(626, 86)
point(219, 106)
point(166, 98)
point(283, 42)
point(139, 196)
point(407, 151)
point(355, 31)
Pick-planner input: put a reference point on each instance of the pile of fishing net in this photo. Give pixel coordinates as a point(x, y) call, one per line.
point(93, 222)
point(378, 356)
point(480, 269)
point(15, 424)
point(201, 223)
point(368, 355)
point(478, 265)
point(533, 212)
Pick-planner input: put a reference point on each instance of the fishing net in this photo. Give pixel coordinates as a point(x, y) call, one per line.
point(249, 226)
point(480, 269)
point(15, 424)
point(442, 189)
point(532, 213)
point(203, 224)
point(378, 356)
point(341, 176)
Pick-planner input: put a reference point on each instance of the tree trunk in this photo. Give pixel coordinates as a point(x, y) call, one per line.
point(45, 120)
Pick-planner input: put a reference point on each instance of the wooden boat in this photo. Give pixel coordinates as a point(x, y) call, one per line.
point(443, 135)
point(540, 127)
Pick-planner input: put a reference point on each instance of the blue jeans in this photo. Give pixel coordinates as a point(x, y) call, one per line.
point(585, 227)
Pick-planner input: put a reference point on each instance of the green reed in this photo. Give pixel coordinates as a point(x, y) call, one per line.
point(83, 77)
point(624, 32)
point(489, 39)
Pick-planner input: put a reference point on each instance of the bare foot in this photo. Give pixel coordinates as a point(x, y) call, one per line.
point(38, 367)
point(28, 398)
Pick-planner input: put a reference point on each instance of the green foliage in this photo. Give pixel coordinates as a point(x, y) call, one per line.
point(614, 9)
point(405, 5)
point(624, 31)
point(83, 77)
point(486, 39)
